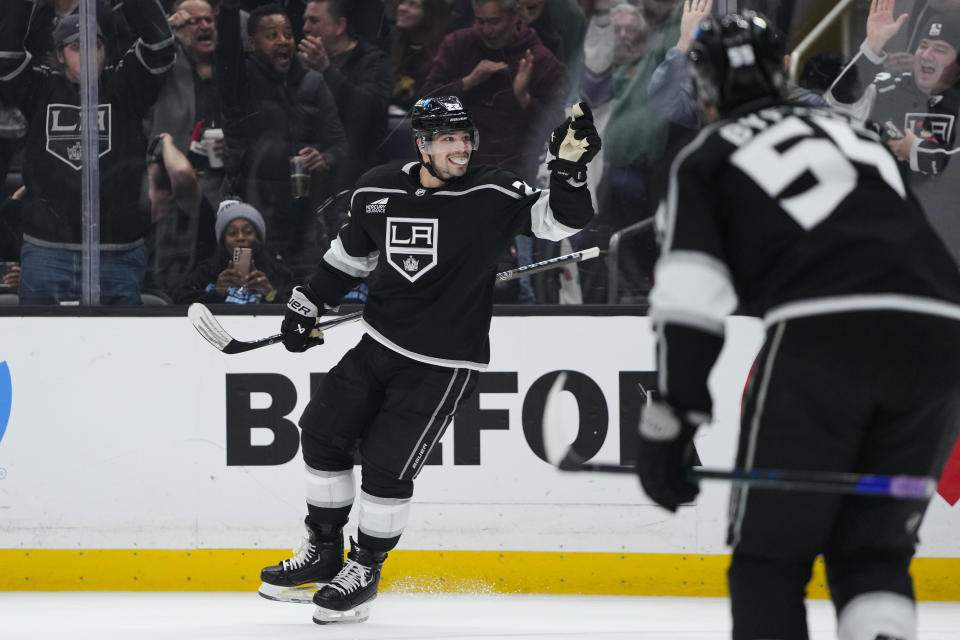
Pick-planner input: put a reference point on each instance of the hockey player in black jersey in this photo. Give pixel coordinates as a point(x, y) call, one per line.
point(426, 236)
point(797, 216)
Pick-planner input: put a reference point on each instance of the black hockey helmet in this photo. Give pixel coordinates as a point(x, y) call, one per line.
point(737, 58)
point(430, 116)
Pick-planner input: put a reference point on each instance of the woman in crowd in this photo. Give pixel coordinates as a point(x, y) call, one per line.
point(220, 278)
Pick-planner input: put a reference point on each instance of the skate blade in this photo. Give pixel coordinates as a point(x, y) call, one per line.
point(301, 594)
point(351, 616)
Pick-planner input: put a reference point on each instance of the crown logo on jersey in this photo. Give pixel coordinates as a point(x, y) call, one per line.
point(411, 264)
point(74, 152)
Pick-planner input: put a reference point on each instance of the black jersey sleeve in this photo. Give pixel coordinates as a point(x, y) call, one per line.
point(555, 213)
point(352, 256)
point(142, 69)
point(693, 291)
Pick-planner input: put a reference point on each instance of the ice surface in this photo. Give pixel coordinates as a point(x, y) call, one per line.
point(236, 616)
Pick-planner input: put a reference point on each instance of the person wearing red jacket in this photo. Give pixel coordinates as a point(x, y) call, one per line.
point(511, 83)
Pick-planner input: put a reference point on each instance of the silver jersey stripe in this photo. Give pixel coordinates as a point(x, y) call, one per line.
point(862, 302)
point(330, 489)
point(739, 494)
point(544, 224)
point(495, 187)
point(23, 65)
point(153, 70)
point(692, 288)
point(358, 267)
point(430, 423)
point(373, 190)
point(440, 362)
point(446, 421)
point(383, 517)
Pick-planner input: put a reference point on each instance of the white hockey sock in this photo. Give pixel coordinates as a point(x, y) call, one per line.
point(878, 615)
point(383, 517)
point(330, 489)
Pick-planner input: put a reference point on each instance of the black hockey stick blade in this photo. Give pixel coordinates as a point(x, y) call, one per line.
point(562, 455)
point(213, 332)
point(552, 263)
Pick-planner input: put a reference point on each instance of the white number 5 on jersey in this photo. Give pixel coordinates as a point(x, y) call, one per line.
point(828, 160)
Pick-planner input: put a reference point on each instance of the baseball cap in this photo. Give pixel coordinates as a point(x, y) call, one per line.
point(67, 30)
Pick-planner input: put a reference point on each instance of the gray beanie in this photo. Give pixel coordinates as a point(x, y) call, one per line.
point(230, 210)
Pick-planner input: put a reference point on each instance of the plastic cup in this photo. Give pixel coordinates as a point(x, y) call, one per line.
point(299, 178)
point(210, 139)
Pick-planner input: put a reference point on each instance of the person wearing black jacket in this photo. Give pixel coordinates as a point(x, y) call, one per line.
point(426, 237)
point(216, 279)
point(360, 78)
point(274, 107)
point(50, 99)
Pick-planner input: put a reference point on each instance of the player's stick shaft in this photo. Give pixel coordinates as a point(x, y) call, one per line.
point(899, 486)
point(562, 455)
point(552, 263)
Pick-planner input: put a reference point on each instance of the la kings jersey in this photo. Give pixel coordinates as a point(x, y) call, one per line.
point(781, 213)
point(430, 255)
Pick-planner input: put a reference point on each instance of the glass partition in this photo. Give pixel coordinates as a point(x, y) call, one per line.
point(227, 136)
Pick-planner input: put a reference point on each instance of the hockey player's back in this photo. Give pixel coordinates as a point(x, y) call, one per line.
point(806, 205)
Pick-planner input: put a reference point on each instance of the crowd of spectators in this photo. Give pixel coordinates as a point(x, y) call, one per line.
point(281, 106)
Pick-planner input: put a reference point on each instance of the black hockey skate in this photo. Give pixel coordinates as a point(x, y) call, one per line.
point(317, 561)
point(349, 596)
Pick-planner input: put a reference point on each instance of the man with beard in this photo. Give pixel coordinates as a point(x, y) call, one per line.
point(274, 108)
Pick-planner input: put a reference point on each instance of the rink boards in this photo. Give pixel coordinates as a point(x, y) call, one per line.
point(135, 456)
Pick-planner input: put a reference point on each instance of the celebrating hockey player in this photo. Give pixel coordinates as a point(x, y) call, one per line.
point(799, 217)
point(429, 235)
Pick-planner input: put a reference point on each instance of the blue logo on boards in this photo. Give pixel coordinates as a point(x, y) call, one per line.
point(6, 396)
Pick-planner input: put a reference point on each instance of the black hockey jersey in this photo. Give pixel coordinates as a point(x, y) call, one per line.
point(431, 254)
point(780, 213)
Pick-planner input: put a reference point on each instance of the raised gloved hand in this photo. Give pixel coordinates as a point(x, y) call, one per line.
point(573, 145)
point(303, 309)
point(665, 453)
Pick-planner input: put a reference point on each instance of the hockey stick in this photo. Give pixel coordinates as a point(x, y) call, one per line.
point(544, 265)
point(565, 458)
point(213, 332)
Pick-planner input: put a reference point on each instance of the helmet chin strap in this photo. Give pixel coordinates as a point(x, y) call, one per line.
point(429, 167)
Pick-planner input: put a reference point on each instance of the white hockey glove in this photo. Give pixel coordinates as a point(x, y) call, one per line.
point(573, 145)
point(303, 309)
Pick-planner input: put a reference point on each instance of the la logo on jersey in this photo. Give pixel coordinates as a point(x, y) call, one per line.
point(412, 246)
point(63, 132)
point(939, 124)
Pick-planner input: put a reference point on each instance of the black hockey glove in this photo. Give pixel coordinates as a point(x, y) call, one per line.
point(665, 453)
point(573, 145)
point(303, 309)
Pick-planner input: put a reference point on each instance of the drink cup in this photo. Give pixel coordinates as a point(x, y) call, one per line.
point(299, 178)
point(211, 138)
